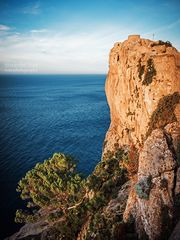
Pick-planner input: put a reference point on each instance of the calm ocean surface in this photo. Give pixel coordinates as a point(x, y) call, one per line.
point(43, 114)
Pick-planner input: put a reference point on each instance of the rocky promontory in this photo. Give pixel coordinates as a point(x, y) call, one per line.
point(142, 90)
point(134, 191)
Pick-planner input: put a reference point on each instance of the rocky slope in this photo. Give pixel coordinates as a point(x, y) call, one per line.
point(142, 90)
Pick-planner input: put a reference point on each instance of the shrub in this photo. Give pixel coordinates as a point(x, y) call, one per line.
point(130, 161)
point(150, 72)
point(160, 42)
point(56, 194)
point(141, 69)
point(99, 228)
point(53, 216)
point(51, 183)
point(143, 187)
point(23, 216)
point(164, 113)
point(108, 155)
point(96, 202)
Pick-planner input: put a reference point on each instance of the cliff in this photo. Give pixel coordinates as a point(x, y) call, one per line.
point(141, 73)
point(142, 89)
point(134, 192)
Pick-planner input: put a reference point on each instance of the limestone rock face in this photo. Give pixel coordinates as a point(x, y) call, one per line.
point(142, 89)
point(141, 72)
point(156, 161)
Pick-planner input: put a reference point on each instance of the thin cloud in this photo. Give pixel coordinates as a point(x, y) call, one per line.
point(4, 27)
point(38, 30)
point(62, 52)
point(33, 9)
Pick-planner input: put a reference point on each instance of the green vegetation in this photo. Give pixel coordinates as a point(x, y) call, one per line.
point(164, 113)
point(141, 69)
point(130, 161)
point(106, 178)
point(57, 195)
point(102, 227)
point(150, 72)
point(106, 227)
point(54, 183)
point(143, 187)
point(160, 42)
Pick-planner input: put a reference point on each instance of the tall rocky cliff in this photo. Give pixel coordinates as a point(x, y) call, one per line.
point(142, 89)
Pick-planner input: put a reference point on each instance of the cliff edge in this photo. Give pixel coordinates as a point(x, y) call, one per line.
point(142, 89)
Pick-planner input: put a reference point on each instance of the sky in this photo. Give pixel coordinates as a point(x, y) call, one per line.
point(75, 36)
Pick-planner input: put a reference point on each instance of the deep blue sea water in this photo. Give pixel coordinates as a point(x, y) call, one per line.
point(43, 114)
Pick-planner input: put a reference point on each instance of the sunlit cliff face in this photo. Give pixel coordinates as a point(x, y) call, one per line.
point(141, 73)
point(142, 89)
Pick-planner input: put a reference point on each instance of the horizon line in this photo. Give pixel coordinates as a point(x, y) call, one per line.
point(53, 73)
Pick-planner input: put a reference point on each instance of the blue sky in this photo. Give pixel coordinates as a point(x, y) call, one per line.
point(68, 36)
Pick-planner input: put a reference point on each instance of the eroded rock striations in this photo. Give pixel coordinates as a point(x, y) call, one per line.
point(142, 90)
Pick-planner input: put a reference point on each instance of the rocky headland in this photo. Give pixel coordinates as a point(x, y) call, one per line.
point(142, 89)
point(134, 192)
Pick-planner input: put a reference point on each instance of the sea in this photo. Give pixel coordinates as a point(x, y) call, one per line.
point(41, 115)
